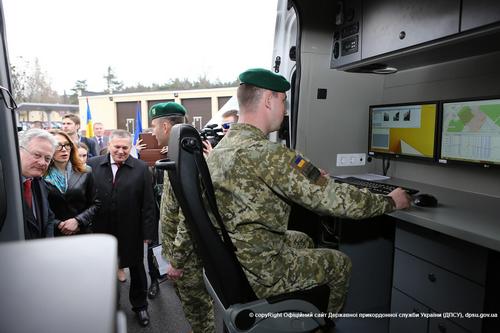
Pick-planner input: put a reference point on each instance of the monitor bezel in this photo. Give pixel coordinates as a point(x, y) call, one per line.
point(378, 154)
point(448, 161)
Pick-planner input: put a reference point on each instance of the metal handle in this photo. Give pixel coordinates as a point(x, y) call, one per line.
point(165, 164)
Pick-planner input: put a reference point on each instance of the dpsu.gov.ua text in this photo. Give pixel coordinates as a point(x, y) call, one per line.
point(404, 315)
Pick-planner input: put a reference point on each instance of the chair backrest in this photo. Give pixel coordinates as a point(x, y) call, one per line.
point(192, 185)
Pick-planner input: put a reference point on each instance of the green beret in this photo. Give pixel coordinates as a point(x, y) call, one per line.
point(166, 110)
point(264, 78)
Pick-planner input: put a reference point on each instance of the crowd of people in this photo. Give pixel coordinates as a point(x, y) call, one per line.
point(76, 185)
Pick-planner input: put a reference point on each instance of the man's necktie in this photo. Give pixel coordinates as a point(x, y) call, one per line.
point(100, 142)
point(118, 165)
point(28, 194)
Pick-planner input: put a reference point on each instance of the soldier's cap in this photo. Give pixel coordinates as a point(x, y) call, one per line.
point(264, 78)
point(166, 110)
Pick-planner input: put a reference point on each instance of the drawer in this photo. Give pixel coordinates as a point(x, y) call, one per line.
point(446, 326)
point(401, 303)
point(437, 288)
point(455, 255)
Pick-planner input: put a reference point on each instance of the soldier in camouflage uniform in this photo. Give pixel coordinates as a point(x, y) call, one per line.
point(256, 179)
point(185, 266)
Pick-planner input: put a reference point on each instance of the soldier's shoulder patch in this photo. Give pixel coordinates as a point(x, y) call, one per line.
point(308, 170)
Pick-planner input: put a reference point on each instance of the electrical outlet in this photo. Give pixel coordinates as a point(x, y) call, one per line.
point(351, 159)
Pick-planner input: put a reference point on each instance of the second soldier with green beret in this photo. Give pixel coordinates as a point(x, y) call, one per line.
point(185, 267)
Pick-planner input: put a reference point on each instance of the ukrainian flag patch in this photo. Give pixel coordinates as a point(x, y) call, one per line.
point(308, 170)
point(300, 162)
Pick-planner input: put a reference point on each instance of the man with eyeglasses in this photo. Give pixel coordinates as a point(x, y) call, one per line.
point(36, 148)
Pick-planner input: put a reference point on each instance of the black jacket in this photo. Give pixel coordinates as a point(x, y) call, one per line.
point(92, 144)
point(127, 210)
point(42, 226)
point(79, 201)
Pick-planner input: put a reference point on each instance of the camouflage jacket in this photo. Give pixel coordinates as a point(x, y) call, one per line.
point(255, 181)
point(176, 241)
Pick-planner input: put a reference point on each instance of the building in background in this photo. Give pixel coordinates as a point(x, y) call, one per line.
point(43, 115)
point(117, 111)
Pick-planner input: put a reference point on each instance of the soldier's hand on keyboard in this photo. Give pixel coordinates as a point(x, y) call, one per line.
point(401, 198)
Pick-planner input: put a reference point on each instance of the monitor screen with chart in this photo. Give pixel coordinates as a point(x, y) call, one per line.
point(403, 130)
point(470, 131)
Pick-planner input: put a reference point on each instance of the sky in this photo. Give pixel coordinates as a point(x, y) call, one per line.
point(144, 41)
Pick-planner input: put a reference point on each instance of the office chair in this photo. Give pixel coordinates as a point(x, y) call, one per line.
point(224, 277)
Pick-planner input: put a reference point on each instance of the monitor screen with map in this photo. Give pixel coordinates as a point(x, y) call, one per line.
point(403, 130)
point(470, 131)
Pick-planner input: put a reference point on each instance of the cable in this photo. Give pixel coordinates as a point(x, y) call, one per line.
point(386, 164)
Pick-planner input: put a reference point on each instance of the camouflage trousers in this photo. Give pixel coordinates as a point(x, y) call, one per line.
point(308, 268)
point(196, 302)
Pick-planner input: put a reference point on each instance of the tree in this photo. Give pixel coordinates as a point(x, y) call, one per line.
point(79, 87)
point(112, 84)
point(181, 84)
point(18, 83)
point(30, 83)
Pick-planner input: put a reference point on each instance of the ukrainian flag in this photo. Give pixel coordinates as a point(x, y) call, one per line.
point(138, 122)
point(89, 133)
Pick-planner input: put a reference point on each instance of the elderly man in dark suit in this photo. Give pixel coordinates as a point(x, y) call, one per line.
point(36, 148)
point(124, 186)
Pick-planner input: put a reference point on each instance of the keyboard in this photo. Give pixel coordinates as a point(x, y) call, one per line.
point(374, 187)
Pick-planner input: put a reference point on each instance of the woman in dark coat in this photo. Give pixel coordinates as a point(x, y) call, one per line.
point(71, 189)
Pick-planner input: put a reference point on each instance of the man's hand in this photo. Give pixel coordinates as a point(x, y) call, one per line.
point(207, 148)
point(401, 198)
point(174, 273)
point(69, 227)
point(164, 150)
point(140, 146)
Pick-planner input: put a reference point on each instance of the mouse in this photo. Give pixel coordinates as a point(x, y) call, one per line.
point(425, 200)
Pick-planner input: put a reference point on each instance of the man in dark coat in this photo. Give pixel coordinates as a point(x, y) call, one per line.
point(124, 188)
point(36, 150)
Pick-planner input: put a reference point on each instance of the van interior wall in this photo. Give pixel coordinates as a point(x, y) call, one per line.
point(472, 77)
point(339, 123)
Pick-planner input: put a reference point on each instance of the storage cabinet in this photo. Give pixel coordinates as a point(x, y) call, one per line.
point(401, 303)
point(477, 13)
point(371, 35)
point(441, 274)
point(392, 25)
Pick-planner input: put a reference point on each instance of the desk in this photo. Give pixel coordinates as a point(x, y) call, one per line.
point(467, 216)
point(451, 270)
point(457, 244)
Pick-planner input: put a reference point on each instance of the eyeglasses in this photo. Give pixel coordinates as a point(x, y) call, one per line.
point(38, 156)
point(226, 125)
point(60, 147)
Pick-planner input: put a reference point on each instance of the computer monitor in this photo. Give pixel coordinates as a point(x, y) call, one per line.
point(403, 130)
point(470, 131)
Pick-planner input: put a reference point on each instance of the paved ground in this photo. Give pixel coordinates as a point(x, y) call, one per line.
point(165, 311)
